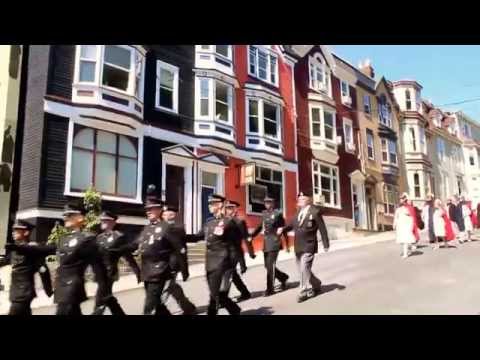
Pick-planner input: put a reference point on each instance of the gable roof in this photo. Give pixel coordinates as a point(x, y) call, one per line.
point(302, 50)
point(388, 87)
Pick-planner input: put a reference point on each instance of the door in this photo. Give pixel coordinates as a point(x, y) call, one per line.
point(370, 208)
point(175, 189)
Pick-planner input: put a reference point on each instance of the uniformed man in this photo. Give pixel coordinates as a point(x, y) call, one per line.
point(157, 243)
point(241, 236)
point(75, 252)
point(113, 245)
point(307, 222)
point(24, 266)
point(272, 220)
point(218, 233)
point(174, 289)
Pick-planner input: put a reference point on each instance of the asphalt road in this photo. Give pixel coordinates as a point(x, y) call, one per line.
point(369, 280)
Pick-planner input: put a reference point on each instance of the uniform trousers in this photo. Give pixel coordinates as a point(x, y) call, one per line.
point(270, 261)
point(20, 308)
point(307, 278)
point(111, 301)
point(69, 309)
point(153, 298)
point(175, 290)
point(219, 282)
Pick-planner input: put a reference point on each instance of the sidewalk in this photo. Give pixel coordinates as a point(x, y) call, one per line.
point(129, 282)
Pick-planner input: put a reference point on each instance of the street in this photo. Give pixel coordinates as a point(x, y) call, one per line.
point(368, 280)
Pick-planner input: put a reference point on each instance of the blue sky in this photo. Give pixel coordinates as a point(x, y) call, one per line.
point(448, 73)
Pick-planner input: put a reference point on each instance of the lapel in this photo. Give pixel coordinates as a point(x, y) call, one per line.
point(305, 215)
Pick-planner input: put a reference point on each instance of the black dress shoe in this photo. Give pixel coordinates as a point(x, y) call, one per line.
point(301, 298)
point(244, 297)
point(268, 293)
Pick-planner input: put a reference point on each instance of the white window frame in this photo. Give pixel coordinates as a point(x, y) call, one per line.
point(322, 123)
point(317, 64)
point(389, 188)
point(347, 95)
point(318, 189)
point(175, 70)
point(131, 72)
point(408, 100)
point(248, 206)
point(261, 123)
point(419, 186)
point(367, 132)
point(269, 53)
point(212, 101)
point(385, 144)
point(120, 130)
point(350, 146)
point(385, 113)
point(96, 61)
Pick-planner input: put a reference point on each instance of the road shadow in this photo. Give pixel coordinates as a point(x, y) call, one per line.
point(263, 310)
point(449, 247)
point(292, 285)
point(331, 287)
point(416, 253)
point(254, 295)
point(421, 246)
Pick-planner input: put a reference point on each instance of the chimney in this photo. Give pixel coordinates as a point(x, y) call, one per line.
point(366, 68)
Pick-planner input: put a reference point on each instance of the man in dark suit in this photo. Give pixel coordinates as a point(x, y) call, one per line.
point(272, 220)
point(307, 222)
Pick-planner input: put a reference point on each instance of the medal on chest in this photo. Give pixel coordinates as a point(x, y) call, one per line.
point(158, 230)
point(219, 229)
point(151, 239)
point(110, 239)
point(73, 242)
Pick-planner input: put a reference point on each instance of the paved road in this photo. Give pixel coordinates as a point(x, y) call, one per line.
point(372, 279)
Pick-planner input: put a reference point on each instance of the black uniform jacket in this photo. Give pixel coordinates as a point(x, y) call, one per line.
point(156, 244)
point(219, 234)
point(114, 245)
point(24, 266)
point(239, 235)
point(178, 258)
point(306, 231)
point(271, 221)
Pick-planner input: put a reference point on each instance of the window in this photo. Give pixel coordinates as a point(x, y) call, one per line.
point(370, 145)
point(413, 140)
point(263, 64)
point(472, 160)
point(384, 111)
point(263, 118)
point(267, 182)
point(390, 199)
point(117, 65)
point(323, 123)
point(459, 185)
point(441, 149)
point(88, 61)
point(326, 183)
point(389, 151)
point(367, 107)
point(466, 131)
point(423, 147)
point(214, 100)
point(319, 76)
point(209, 187)
point(167, 86)
point(345, 90)
point(348, 134)
point(416, 185)
point(106, 160)
point(408, 100)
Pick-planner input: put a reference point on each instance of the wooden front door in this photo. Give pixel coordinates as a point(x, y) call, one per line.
point(175, 189)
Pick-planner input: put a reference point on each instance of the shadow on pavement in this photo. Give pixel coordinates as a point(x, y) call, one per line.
point(264, 310)
point(421, 246)
point(416, 253)
point(331, 287)
point(254, 295)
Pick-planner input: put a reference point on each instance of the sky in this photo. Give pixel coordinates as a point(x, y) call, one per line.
point(448, 73)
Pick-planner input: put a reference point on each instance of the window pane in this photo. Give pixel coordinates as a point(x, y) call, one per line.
point(253, 115)
point(324, 169)
point(221, 111)
point(127, 177)
point(105, 173)
point(270, 111)
point(166, 98)
point(127, 147)
point(344, 88)
point(115, 78)
point(273, 69)
point(221, 94)
point(316, 129)
point(265, 173)
point(262, 65)
point(117, 56)
point(270, 128)
point(253, 59)
point(326, 194)
point(209, 179)
point(204, 95)
point(315, 115)
point(106, 142)
point(87, 71)
point(328, 118)
point(82, 165)
point(277, 176)
point(315, 181)
point(222, 50)
point(84, 139)
point(329, 133)
point(166, 78)
point(88, 52)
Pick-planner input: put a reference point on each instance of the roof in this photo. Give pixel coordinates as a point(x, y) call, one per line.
point(408, 82)
point(361, 77)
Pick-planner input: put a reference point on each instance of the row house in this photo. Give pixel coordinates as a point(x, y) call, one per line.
point(10, 75)
point(417, 140)
point(447, 156)
point(193, 120)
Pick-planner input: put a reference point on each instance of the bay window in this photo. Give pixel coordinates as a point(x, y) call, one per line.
point(385, 111)
point(389, 151)
point(326, 183)
point(263, 64)
point(214, 100)
point(323, 124)
point(167, 87)
point(267, 182)
point(105, 160)
point(263, 118)
point(117, 65)
point(345, 93)
point(88, 62)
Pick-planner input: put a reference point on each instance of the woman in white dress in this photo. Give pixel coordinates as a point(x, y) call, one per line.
point(404, 224)
point(439, 226)
point(467, 213)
